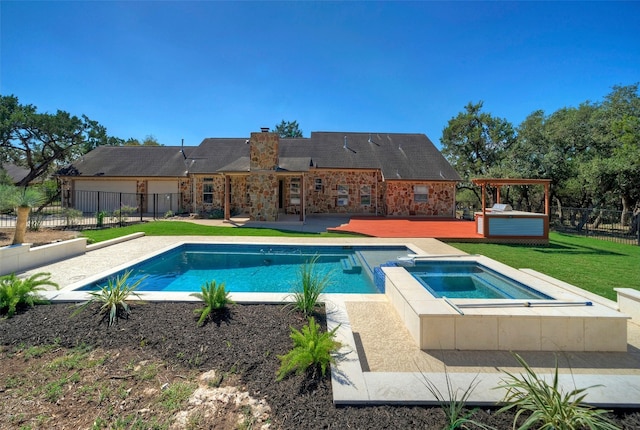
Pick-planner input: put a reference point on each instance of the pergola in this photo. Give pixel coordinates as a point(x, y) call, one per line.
point(496, 182)
point(498, 223)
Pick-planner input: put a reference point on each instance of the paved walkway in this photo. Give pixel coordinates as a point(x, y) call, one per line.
point(379, 362)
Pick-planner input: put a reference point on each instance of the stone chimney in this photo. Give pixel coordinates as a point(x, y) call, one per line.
point(264, 150)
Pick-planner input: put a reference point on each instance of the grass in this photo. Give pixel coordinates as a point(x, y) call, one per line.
point(183, 228)
point(594, 265)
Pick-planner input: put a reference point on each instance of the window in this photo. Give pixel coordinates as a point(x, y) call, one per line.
point(343, 195)
point(207, 190)
point(365, 195)
point(318, 184)
point(420, 193)
point(294, 191)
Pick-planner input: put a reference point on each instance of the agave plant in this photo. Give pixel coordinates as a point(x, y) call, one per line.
point(215, 299)
point(21, 292)
point(312, 348)
point(547, 406)
point(113, 297)
point(306, 293)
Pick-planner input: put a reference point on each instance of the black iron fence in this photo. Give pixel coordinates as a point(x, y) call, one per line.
point(603, 224)
point(96, 209)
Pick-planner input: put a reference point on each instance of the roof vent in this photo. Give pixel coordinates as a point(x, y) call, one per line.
point(264, 129)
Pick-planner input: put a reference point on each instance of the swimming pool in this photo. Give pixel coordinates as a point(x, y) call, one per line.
point(470, 280)
point(257, 268)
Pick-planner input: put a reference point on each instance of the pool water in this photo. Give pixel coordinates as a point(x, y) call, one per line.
point(258, 268)
point(470, 280)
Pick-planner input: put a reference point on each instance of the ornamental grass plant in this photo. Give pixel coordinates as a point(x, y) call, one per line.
point(311, 284)
point(543, 405)
point(454, 403)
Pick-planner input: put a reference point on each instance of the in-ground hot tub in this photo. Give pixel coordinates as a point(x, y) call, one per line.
point(554, 319)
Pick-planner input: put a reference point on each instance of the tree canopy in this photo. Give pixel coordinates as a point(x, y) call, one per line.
point(288, 129)
point(41, 142)
point(149, 140)
point(591, 152)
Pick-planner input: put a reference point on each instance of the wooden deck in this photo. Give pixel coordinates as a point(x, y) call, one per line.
point(448, 229)
point(443, 229)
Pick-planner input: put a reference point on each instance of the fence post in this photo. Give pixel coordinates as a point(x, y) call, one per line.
point(638, 227)
point(141, 200)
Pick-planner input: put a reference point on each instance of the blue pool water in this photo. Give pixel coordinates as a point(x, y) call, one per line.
point(258, 268)
point(470, 280)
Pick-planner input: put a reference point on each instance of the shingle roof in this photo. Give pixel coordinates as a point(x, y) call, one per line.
point(16, 173)
point(214, 154)
point(397, 155)
point(112, 161)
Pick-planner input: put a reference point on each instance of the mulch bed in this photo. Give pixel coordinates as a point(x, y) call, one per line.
point(246, 342)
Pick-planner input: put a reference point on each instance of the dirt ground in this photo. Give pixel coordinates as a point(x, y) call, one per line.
point(41, 237)
point(159, 370)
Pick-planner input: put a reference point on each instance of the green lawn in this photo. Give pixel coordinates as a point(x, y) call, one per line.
point(182, 228)
point(594, 265)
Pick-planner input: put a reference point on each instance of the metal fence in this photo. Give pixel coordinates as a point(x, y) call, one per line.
point(95, 209)
point(602, 224)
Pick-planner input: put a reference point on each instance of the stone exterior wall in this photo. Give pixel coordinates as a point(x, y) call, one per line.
point(327, 195)
point(184, 188)
point(399, 199)
point(239, 195)
point(218, 192)
point(263, 195)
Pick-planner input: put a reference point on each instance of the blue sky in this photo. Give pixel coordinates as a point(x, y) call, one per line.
point(203, 69)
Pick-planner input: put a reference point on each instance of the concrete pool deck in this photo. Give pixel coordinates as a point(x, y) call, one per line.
point(380, 362)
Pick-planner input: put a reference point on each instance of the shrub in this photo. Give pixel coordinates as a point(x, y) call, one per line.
point(306, 293)
point(311, 349)
point(71, 216)
point(16, 293)
point(35, 221)
point(100, 215)
point(121, 216)
point(547, 405)
point(169, 214)
point(215, 298)
point(113, 298)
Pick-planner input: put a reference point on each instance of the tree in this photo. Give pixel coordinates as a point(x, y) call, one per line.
point(42, 142)
point(619, 135)
point(288, 129)
point(22, 200)
point(474, 142)
point(149, 140)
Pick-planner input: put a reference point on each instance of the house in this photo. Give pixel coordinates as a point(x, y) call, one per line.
point(391, 174)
